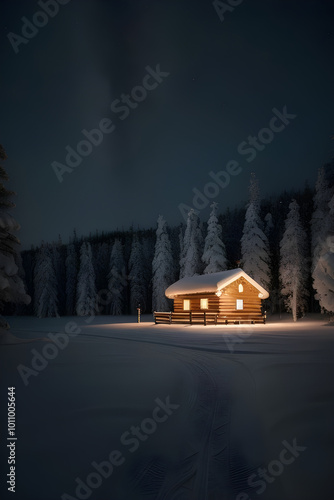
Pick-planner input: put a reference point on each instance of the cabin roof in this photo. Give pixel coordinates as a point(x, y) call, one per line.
point(210, 283)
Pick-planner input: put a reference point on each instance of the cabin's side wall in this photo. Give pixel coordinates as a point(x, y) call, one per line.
point(213, 302)
point(249, 295)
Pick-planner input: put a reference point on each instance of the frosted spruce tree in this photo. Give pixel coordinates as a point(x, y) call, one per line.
point(324, 190)
point(254, 242)
point(71, 264)
point(86, 290)
point(294, 269)
point(323, 274)
point(45, 284)
point(190, 260)
point(136, 276)
point(162, 267)
point(214, 255)
point(11, 285)
point(117, 280)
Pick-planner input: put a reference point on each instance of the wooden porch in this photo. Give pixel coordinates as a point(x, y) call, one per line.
point(206, 318)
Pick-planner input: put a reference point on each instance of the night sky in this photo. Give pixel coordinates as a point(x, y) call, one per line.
point(224, 79)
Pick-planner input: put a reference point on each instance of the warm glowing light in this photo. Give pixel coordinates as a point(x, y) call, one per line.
point(186, 305)
point(241, 288)
point(218, 293)
point(204, 304)
point(260, 295)
point(240, 304)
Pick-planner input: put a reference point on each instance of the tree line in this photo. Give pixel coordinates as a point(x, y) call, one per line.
point(282, 242)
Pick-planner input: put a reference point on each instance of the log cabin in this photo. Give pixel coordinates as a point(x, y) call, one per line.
point(225, 297)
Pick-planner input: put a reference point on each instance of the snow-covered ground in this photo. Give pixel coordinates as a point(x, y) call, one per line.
point(142, 411)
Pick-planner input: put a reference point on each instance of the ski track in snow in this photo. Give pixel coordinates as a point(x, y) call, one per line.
point(207, 394)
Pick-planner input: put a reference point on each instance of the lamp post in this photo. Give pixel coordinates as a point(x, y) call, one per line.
point(138, 313)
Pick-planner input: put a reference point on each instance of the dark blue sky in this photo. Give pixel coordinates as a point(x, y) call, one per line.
point(224, 80)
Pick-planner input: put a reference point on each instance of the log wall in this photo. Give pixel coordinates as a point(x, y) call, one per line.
point(250, 296)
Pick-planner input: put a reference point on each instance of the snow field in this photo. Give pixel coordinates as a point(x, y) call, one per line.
point(236, 408)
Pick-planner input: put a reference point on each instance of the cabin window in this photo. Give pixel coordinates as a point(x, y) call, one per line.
point(240, 304)
point(204, 304)
point(241, 288)
point(186, 305)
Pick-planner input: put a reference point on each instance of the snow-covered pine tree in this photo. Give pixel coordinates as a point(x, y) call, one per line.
point(323, 274)
point(71, 264)
point(190, 261)
point(45, 282)
point(324, 190)
point(117, 280)
point(11, 285)
point(254, 243)
point(294, 268)
point(136, 276)
point(86, 290)
point(214, 255)
point(162, 267)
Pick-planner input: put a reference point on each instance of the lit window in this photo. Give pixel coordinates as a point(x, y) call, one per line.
point(241, 288)
point(240, 304)
point(204, 304)
point(186, 305)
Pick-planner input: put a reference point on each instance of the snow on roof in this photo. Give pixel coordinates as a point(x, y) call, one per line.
point(210, 283)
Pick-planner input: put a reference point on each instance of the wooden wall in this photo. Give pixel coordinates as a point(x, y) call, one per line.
point(250, 296)
point(195, 302)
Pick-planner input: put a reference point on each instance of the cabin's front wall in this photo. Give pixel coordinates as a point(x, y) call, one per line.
point(249, 296)
point(226, 304)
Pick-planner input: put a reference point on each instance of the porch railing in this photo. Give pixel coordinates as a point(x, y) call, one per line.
point(204, 318)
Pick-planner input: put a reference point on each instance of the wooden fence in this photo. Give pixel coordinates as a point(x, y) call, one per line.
point(203, 318)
